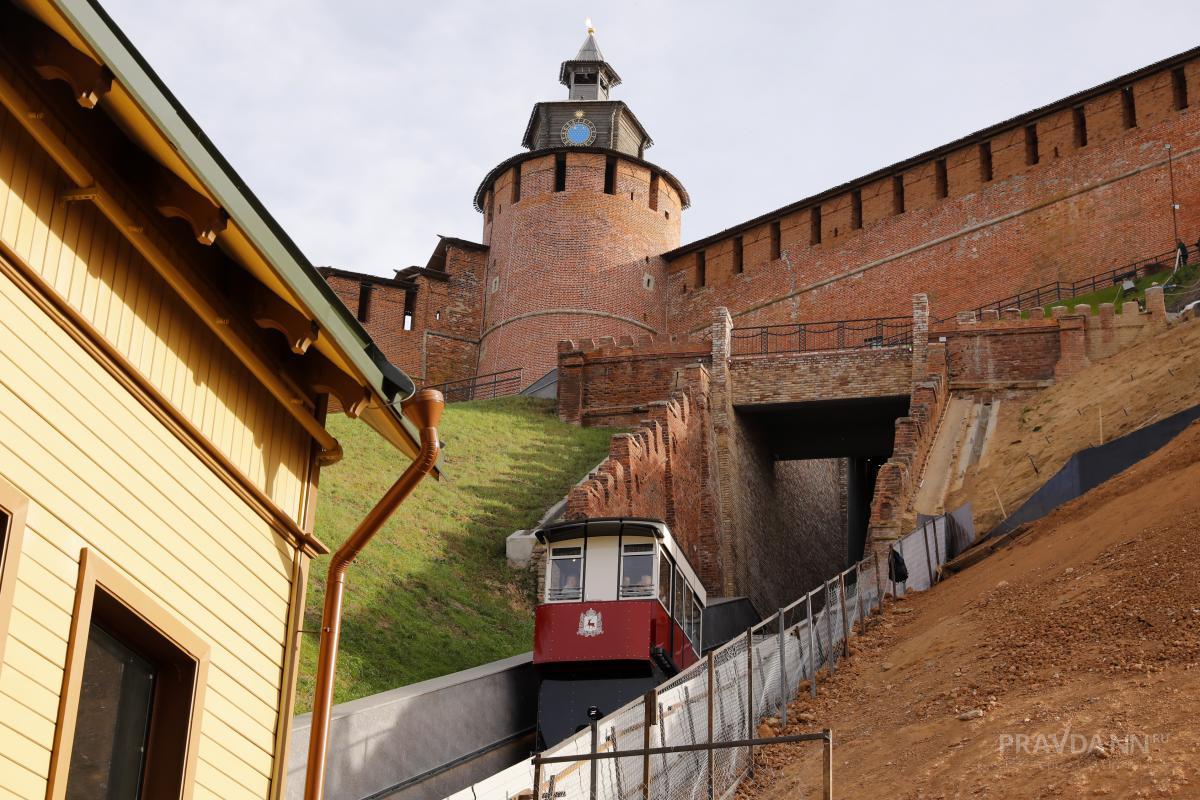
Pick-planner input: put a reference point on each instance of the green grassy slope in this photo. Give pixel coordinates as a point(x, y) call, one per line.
point(432, 593)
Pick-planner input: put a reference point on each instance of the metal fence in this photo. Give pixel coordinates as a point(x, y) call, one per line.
point(800, 337)
point(722, 698)
point(1047, 293)
point(481, 387)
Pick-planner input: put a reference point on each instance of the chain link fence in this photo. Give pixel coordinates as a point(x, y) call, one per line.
point(723, 698)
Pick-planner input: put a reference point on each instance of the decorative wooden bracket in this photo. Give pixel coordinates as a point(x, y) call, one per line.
point(174, 198)
point(272, 312)
point(55, 59)
point(323, 376)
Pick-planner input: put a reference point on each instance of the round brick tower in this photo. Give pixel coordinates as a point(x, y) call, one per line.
point(575, 228)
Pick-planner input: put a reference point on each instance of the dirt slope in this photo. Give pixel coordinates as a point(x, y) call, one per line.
point(1149, 381)
point(1088, 626)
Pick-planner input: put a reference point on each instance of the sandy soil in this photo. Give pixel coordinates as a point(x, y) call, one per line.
point(1083, 637)
point(1036, 433)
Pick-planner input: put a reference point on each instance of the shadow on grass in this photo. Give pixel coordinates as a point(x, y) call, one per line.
point(433, 594)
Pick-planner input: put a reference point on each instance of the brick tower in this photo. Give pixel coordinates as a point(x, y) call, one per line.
point(575, 227)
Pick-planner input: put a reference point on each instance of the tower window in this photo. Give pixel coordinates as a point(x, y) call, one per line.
point(489, 206)
point(1179, 88)
point(701, 269)
point(814, 234)
point(516, 184)
point(856, 209)
point(1031, 145)
point(738, 253)
point(1080, 118)
point(410, 303)
point(985, 161)
point(560, 172)
point(775, 240)
point(897, 194)
point(941, 178)
point(1128, 110)
point(610, 175)
point(654, 191)
point(364, 302)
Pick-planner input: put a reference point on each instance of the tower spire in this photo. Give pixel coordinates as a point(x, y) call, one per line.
point(588, 76)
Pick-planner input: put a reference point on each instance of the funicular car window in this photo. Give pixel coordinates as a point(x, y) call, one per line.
point(697, 619)
point(664, 581)
point(685, 621)
point(566, 574)
point(637, 571)
point(677, 606)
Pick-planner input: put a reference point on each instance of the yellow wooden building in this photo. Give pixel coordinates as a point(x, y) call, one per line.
point(166, 360)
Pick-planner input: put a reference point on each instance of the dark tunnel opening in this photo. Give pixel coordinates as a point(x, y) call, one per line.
point(808, 473)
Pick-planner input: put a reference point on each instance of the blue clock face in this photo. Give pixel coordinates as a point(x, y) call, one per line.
point(579, 132)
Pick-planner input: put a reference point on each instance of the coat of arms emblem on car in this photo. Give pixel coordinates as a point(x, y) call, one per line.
point(590, 623)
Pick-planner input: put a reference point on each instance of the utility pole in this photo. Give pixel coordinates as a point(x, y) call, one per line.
point(1174, 205)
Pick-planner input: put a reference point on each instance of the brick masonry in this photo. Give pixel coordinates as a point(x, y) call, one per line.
point(611, 382)
point(1077, 211)
point(583, 262)
point(573, 263)
point(663, 469)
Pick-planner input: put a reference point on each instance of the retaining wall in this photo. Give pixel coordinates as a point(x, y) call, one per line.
point(484, 715)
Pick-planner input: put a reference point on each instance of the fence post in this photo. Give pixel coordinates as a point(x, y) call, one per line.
point(750, 704)
point(880, 581)
point(691, 718)
point(662, 742)
point(612, 737)
point(783, 681)
point(862, 621)
point(712, 688)
point(845, 616)
point(890, 573)
point(651, 705)
point(812, 650)
point(832, 659)
point(594, 773)
point(537, 777)
point(928, 558)
point(827, 764)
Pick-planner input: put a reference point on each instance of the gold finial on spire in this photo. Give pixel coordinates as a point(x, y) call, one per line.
point(588, 22)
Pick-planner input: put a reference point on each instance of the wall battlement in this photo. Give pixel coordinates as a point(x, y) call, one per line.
point(1056, 194)
point(662, 469)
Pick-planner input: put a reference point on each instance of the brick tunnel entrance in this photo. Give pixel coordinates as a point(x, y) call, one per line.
point(807, 474)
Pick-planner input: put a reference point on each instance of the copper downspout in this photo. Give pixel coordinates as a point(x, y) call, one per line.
point(424, 409)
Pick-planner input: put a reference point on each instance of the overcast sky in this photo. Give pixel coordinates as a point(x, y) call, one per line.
point(365, 127)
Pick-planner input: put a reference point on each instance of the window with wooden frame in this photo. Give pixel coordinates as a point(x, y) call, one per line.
point(132, 696)
point(13, 505)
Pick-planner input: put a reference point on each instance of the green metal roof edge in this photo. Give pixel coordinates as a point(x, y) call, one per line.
point(196, 150)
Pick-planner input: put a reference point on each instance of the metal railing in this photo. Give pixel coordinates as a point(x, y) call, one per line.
point(802, 337)
point(710, 747)
point(1047, 293)
point(481, 387)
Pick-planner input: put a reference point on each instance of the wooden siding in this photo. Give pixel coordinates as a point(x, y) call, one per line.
point(91, 265)
point(101, 472)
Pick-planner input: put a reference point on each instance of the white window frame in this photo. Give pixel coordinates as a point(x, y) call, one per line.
point(581, 554)
point(653, 553)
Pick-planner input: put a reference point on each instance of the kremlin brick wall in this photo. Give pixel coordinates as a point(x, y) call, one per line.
point(663, 469)
point(863, 250)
